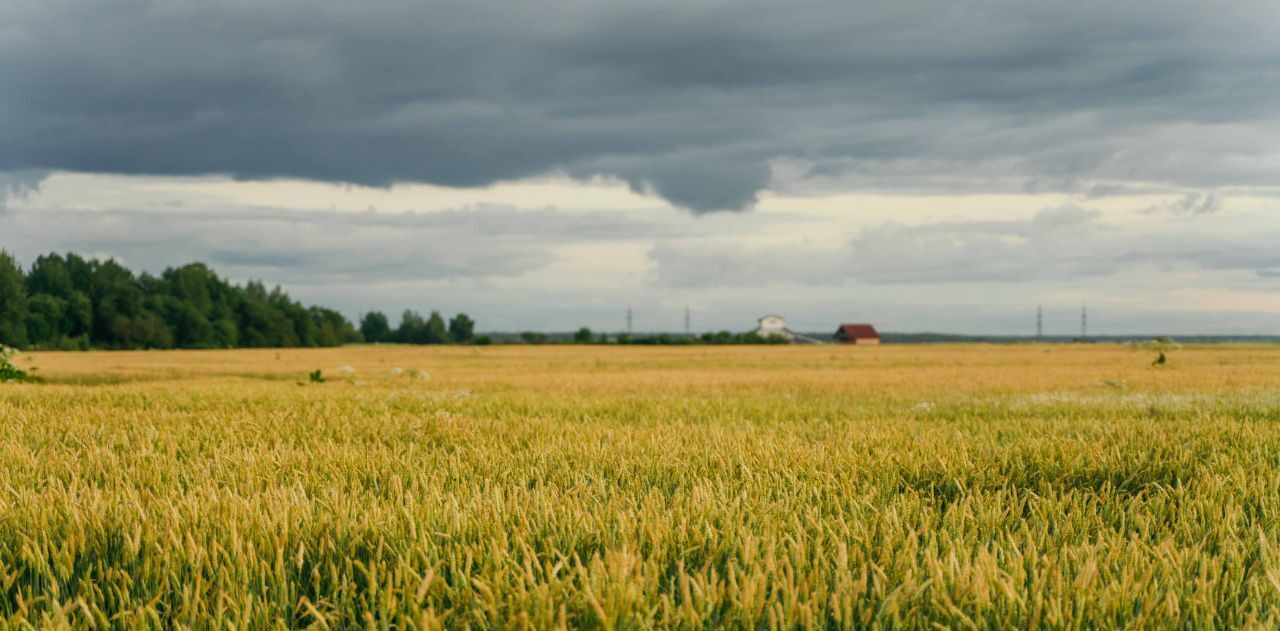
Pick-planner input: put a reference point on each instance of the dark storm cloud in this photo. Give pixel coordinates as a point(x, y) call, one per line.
point(696, 102)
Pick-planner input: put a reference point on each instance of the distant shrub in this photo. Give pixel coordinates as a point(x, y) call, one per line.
point(315, 376)
point(8, 371)
point(1160, 346)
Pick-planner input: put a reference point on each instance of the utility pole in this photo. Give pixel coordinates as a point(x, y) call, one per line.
point(1039, 323)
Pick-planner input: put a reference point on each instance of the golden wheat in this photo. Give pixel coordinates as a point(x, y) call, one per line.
point(774, 487)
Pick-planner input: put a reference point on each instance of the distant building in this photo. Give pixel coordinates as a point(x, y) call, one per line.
point(856, 334)
point(774, 325)
point(771, 324)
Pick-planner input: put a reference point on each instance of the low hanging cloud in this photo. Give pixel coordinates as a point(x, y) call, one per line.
point(1065, 243)
point(1058, 242)
point(705, 104)
point(1190, 204)
point(315, 246)
point(727, 264)
point(19, 184)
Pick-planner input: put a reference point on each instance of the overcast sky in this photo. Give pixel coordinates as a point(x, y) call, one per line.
point(939, 166)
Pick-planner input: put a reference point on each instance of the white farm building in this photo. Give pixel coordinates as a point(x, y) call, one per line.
point(774, 325)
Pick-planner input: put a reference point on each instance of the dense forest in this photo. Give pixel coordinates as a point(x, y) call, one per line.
point(69, 302)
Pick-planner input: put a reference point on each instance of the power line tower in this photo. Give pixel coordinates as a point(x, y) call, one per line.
point(1039, 323)
point(1084, 323)
point(688, 328)
point(628, 319)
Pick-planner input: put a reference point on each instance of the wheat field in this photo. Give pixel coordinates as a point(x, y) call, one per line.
point(605, 487)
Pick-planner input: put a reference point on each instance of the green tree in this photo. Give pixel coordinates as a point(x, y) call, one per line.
point(50, 275)
point(13, 302)
point(70, 302)
point(412, 329)
point(81, 272)
point(79, 315)
point(462, 329)
point(226, 333)
point(582, 336)
point(720, 337)
point(46, 320)
point(332, 328)
point(191, 328)
point(1161, 346)
point(375, 328)
point(437, 332)
point(304, 328)
point(194, 285)
point(261, 323)
point(147, 330)
point(117, 299)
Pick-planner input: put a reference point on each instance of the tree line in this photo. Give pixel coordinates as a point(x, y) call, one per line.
point(585, 335)
point(414, 329)
point(71, 302)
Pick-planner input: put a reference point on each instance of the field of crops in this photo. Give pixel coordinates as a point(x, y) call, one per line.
point(540, 487)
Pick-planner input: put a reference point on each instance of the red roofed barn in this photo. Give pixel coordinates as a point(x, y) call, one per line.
point(857, 334)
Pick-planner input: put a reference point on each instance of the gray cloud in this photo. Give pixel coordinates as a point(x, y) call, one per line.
point(19, 184)
point(1055, 243)
point(1190, 204)
point(1061, 244)
point(702, 103)
point(326, 246)
point(711, 264)
point(556, 269)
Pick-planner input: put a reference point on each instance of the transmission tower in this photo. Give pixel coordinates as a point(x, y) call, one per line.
point(1084, 323)
point(1039, 323)
point(628, 319)
point(688, 328)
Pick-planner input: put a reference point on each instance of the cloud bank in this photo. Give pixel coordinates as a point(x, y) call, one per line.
point(1060, 244)
point(704, 104)
point(306, 246)
point(556, 269)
